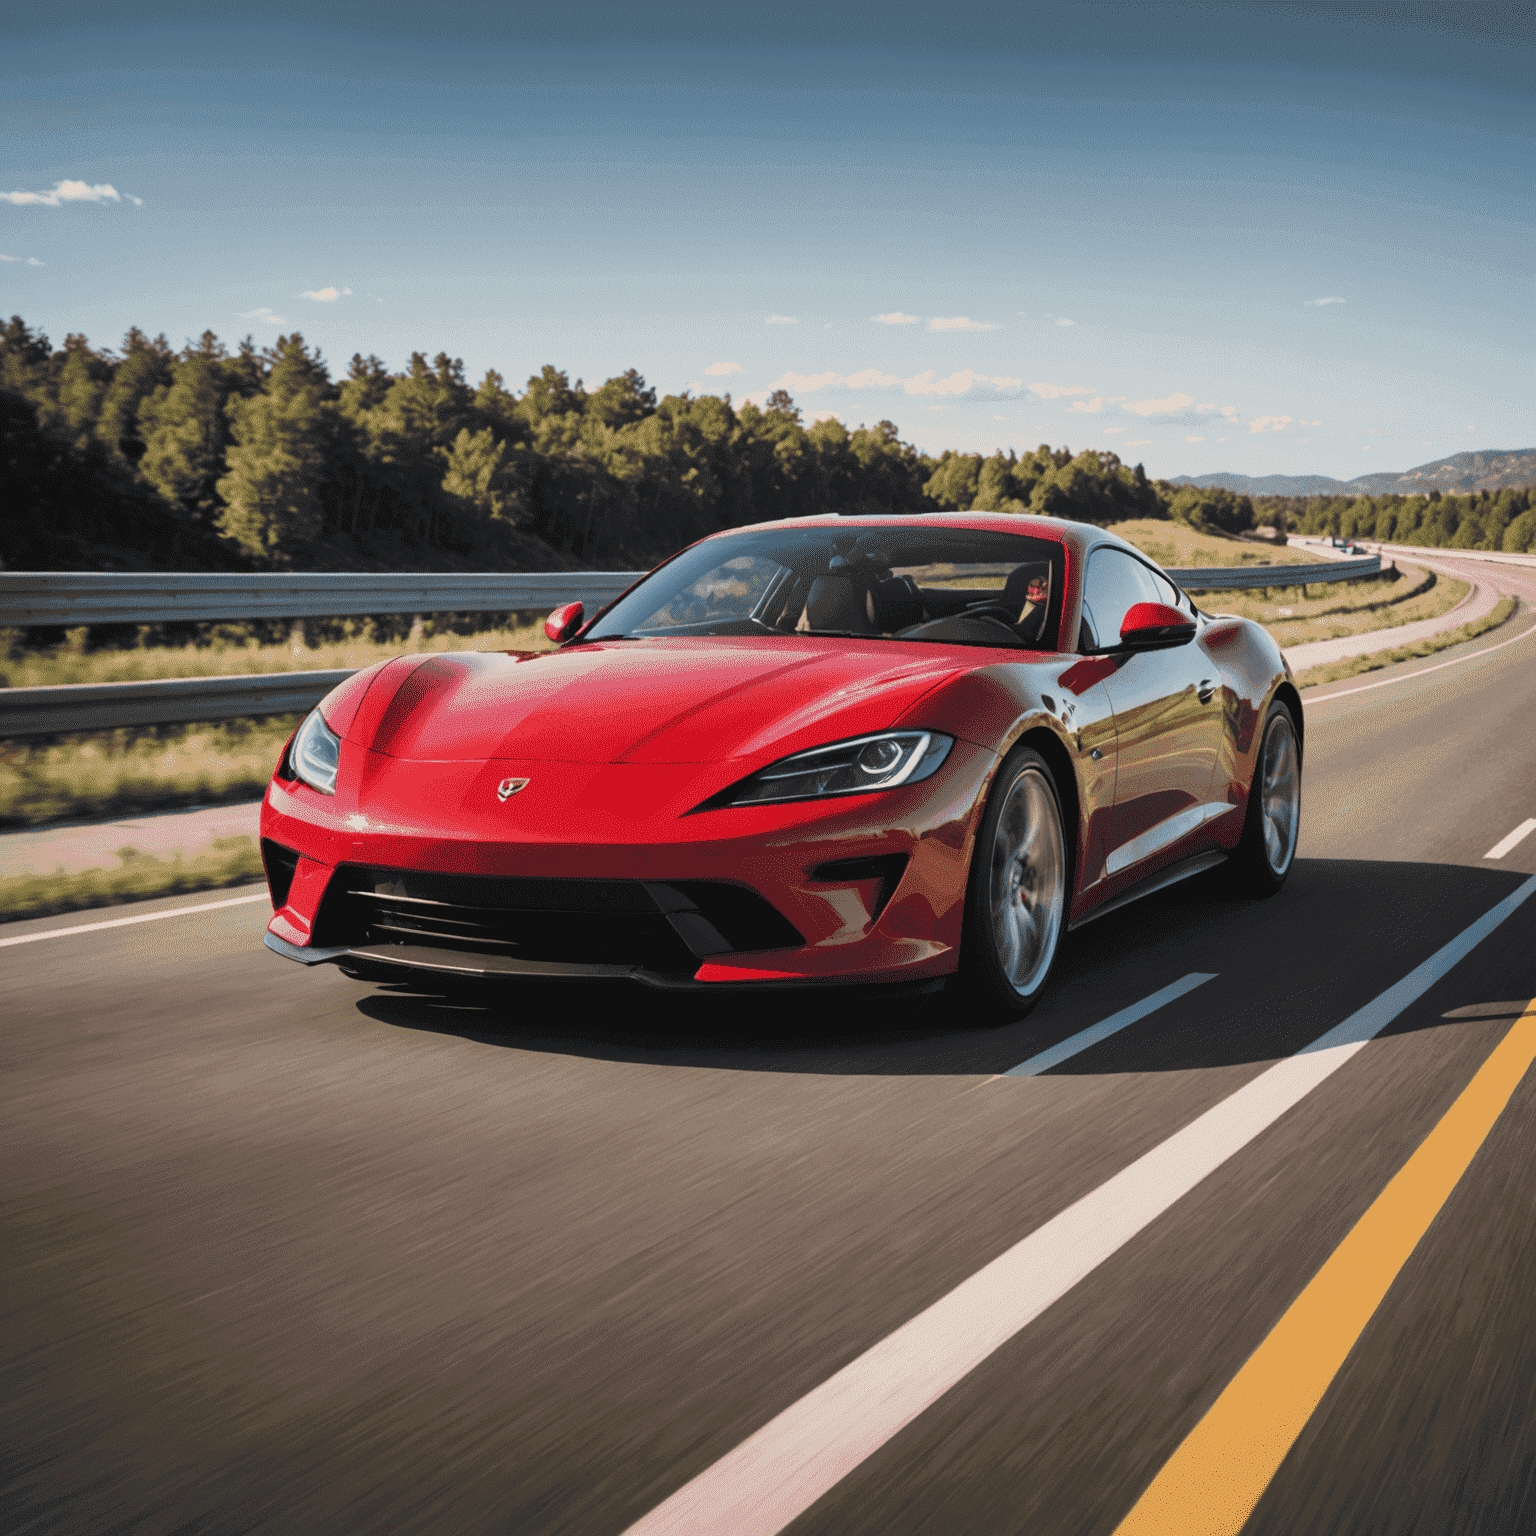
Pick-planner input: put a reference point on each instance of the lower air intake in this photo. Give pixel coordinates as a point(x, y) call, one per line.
point(668, 928)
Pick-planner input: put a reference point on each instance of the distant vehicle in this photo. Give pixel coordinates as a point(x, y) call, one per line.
point(812, 751)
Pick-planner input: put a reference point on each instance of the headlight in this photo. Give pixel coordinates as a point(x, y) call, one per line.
point(845, 768)
point(316, 754)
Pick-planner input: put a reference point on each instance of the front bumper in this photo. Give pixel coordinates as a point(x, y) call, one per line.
point(435, 836)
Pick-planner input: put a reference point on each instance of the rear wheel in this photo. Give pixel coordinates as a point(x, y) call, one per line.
point(1016, 898)
point(1263, 858)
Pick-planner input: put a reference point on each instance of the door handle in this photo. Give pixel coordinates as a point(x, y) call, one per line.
point(1206, 691)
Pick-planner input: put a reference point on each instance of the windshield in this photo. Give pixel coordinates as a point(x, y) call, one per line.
point(956, 585)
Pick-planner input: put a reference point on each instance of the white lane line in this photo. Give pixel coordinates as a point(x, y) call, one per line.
point(1516, 837)
point(1439, 666)
point(776, 1474)
point(1079, 1042)
point(123, 922)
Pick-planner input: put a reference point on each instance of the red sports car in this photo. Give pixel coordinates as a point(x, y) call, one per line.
point(825, 750)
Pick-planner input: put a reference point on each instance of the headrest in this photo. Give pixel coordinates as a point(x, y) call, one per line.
point(897, 603)
point(837, 602)
point(1016, 589)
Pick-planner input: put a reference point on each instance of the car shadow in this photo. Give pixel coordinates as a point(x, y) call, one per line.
point(1286, 970)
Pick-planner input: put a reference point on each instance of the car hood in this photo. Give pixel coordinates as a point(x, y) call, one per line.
point(653, 701)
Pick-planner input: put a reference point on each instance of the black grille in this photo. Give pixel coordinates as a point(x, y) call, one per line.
point(660, 927)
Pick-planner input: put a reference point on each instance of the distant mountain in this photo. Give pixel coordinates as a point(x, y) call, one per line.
point(1491, 470)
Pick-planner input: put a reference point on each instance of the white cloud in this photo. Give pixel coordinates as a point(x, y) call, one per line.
point(327, 295)
point(1066, 322)
point(1110, 431)
point(1318, 303)
point(1091, 406)
point(809, 383)
point(1140, 442)
point(29, 261)
point(781, 320)
point(1174, 402)
point(897, 318)
point(1194, 439)
point(961, 383)
point(263, 314)
point(1055, 391)
point(959, 323)
point(69, 192)
point(1269, 423)
point(719, 370)
point(964, 382)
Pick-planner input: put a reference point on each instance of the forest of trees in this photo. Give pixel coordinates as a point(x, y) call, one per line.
point(152, 458)
point(1492, 520)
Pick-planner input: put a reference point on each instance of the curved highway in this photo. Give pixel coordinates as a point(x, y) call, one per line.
point(286, 1252)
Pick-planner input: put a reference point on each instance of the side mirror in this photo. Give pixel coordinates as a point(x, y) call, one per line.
point(563, 623)
point(1150, 626)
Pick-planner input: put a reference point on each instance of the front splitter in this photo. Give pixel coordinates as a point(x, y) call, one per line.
point(420, 958)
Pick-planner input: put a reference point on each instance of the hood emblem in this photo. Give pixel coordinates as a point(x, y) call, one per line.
point(509, 787)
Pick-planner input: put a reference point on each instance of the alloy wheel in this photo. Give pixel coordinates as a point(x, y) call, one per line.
point(1028, 881)
point(1280, 787)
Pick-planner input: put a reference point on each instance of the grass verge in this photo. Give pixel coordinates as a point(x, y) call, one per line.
point(230, 861)
point(217, 658)
point(1350, 609)
point(128, 773)
point(1353, 666)
point(1177, 544)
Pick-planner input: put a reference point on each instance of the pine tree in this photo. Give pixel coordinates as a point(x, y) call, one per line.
point(145, 366)
point(278, 464)
point(183, 425)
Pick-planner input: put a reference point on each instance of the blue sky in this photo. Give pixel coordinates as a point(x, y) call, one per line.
point(1258, 238)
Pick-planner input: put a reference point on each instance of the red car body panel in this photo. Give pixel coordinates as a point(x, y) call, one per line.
point(621, 743)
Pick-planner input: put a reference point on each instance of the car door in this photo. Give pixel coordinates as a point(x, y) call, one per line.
point(1168, 720)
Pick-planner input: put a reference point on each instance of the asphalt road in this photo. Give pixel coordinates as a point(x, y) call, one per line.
point(286, 1252)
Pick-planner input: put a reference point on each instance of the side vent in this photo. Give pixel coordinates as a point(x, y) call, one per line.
point(887, 868)
point(280, 864)
point(745, 920)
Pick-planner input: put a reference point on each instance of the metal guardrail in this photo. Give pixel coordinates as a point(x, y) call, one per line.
point(91, 597)
point(70, 598)
point(164, 701)
point(155, 597)
point(1245, 577)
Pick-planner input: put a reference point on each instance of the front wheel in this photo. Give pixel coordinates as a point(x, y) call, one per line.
point(1016, 897)
point(1263, 858)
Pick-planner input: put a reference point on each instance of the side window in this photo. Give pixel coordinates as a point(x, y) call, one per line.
point(1166, 591)
point(1116, 582)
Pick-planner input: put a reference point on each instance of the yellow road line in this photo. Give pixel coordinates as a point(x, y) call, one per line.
point(1211, 1483)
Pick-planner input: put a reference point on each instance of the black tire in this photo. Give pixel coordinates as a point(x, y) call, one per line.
point(1017, 892)
point(1272, 825)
